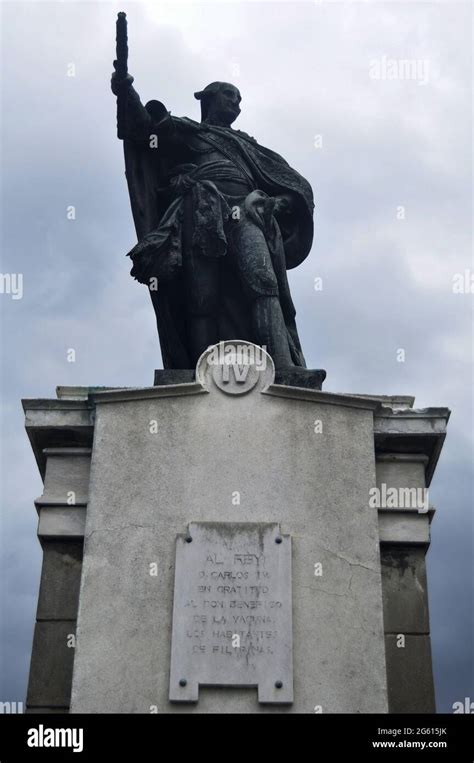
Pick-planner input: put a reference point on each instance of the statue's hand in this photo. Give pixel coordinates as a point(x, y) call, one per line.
point(120, 84)
point(284, 205)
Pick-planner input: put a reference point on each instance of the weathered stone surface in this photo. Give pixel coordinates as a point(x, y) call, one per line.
point(404, 586)
point(409, 675)
point(57, 522)
point(411, 431)
point(67, 476)
point(216, 457)
point(235, 368)
point(401, 470)
point(147, 483)
point(232, 611)
point(404, 527)
point(63, 422)
point(60, 580)
point(51, 665)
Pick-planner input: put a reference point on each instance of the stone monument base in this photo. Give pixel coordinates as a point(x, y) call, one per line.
point(225, 544)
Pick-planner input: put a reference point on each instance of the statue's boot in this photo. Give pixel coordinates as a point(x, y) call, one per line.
point(270, 330)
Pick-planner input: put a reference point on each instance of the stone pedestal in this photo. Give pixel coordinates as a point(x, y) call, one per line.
point(232, 448)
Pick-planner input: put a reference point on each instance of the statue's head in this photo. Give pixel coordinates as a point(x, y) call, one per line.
point(219, 103)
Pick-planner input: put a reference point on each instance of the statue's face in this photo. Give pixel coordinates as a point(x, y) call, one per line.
point(224, 106)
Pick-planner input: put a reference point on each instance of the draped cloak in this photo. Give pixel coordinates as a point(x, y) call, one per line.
point(155, 200)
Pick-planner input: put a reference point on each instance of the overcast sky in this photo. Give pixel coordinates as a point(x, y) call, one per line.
point(391, 173)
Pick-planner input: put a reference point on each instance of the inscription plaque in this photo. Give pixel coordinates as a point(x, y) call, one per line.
point(232, 611)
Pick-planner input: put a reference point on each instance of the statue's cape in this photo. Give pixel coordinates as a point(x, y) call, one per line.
point(146, 169)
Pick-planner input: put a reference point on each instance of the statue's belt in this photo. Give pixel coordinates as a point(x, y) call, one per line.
point(185, 176)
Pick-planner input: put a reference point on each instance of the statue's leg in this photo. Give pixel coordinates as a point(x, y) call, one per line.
point(255, 268)
point(202, 289)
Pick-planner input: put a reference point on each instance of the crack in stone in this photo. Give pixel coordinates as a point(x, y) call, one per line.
point(341, 556)
point(120, 527)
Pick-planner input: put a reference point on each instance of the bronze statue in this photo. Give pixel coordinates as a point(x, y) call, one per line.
point(219, 220)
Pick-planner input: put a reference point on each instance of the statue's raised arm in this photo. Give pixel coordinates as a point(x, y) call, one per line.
point(133, 120)
point(219, 220)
